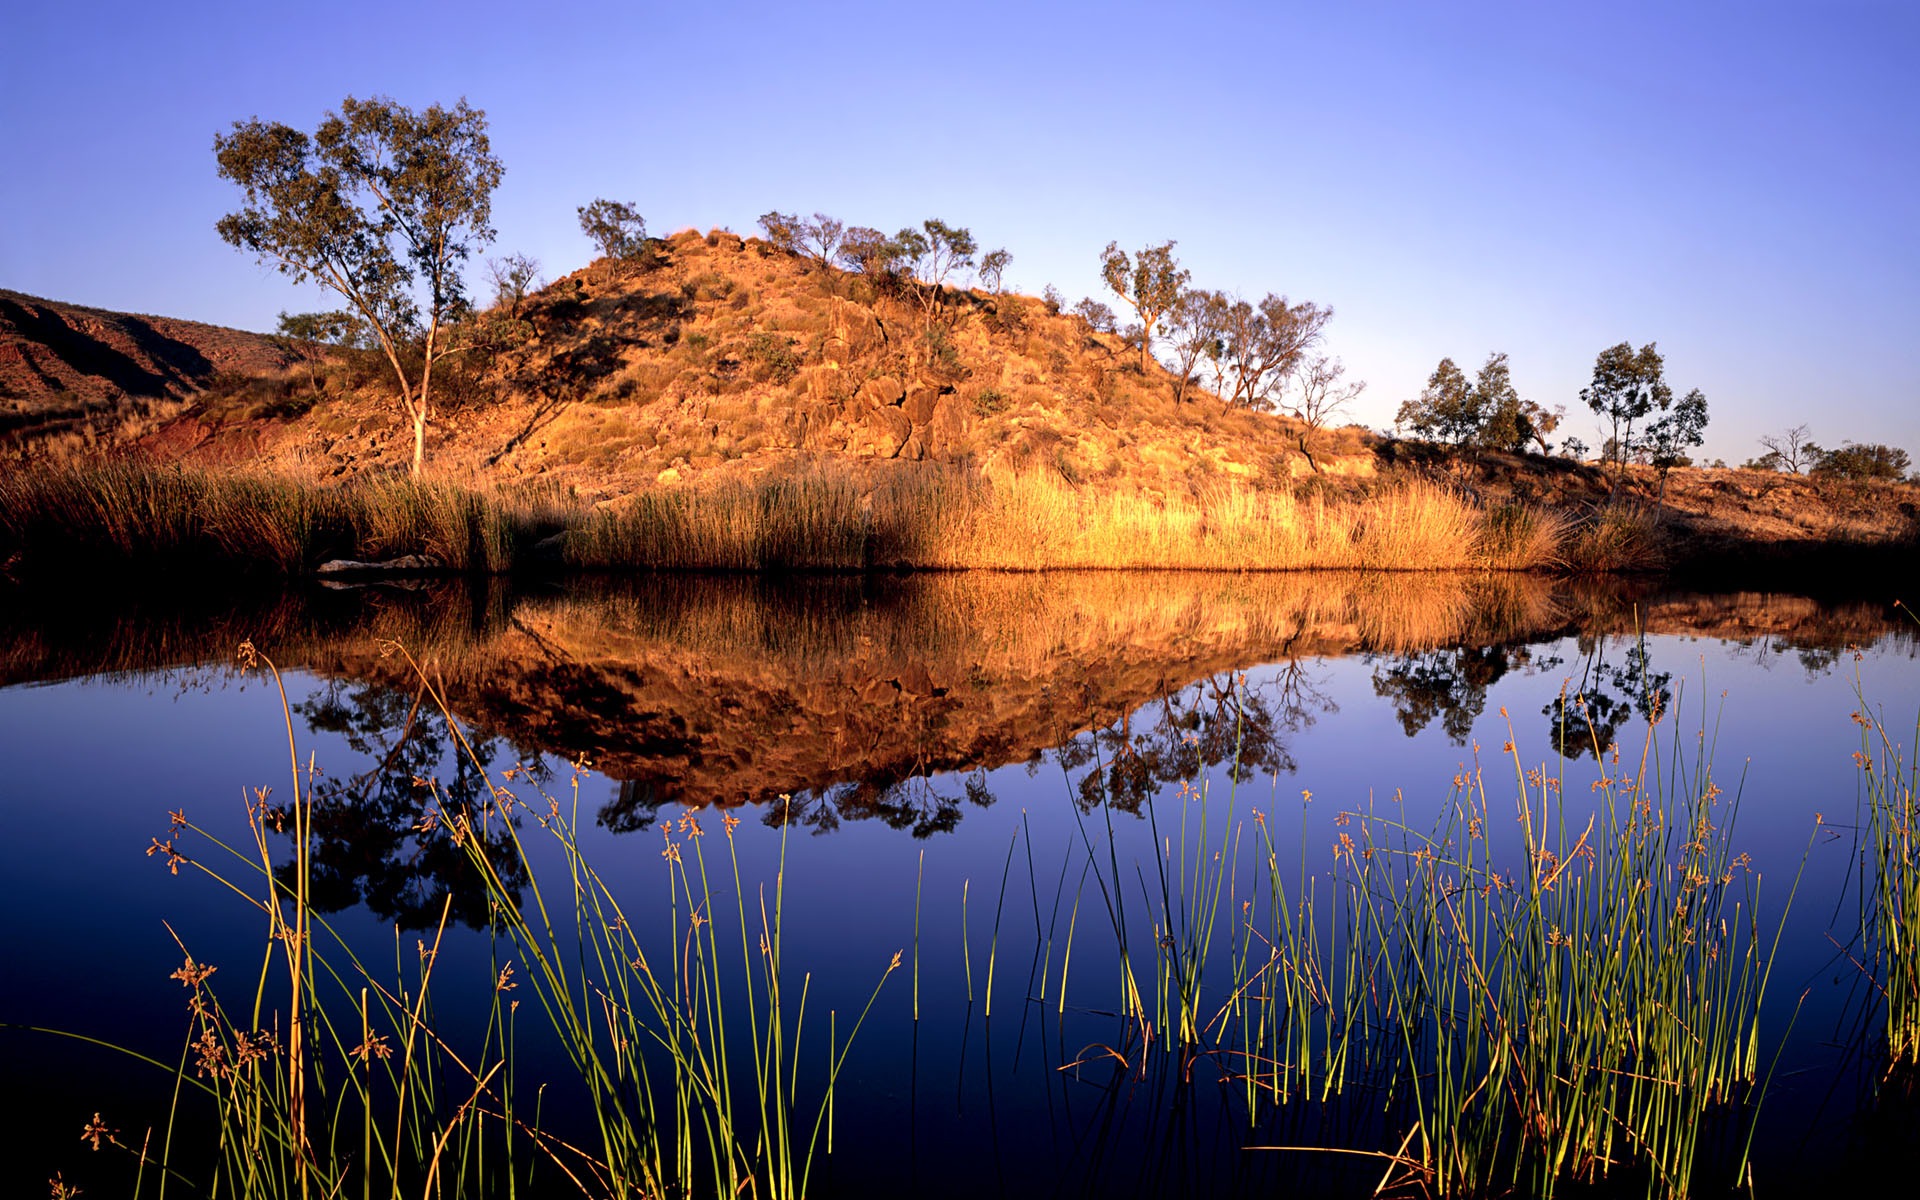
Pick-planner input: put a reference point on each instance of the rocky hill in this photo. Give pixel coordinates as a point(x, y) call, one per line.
point(65, 367)
point(715, 357)
point(718, 356)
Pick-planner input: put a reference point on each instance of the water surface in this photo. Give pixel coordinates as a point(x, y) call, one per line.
point(894, 736)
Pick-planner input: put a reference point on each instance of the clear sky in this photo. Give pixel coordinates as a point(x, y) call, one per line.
point(1734, 180)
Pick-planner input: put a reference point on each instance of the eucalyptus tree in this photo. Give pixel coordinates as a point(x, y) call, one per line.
point(1150, 281)
point(1628, 386)
point(867, 251)
point(1794, 451)
point(819, 239)
point(1485, 413)
point(512, 276)
point(930, 255)
point(383, 205)
point(1195, 325)
point(1322, 393)
point(1263, 344)
point(1448, 409)
point(615, 228)
point(993, 267)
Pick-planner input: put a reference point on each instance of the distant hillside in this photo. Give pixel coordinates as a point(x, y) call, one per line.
point(65, 365)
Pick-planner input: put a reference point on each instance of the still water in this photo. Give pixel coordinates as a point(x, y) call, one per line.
point(933, 754)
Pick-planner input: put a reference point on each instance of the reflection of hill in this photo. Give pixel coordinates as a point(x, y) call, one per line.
point(726, 690)
point(723, 691)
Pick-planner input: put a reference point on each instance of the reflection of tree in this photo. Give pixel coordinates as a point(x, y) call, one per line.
point(1817, 658)
point(1584, 718)
point(913, 803)
point(376, 835)
point(1218, 720)
point(1448, 684)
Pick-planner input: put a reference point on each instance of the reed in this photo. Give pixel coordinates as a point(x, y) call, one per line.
point(1890, 917)
point(333, 1078)
point(1577, 1000)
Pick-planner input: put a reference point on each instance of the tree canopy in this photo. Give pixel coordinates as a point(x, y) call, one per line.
point(383, 205)
point(1150, 281)
point(1628, 385)
point(1862, 461)
point(1486, 412)
point(615, 228)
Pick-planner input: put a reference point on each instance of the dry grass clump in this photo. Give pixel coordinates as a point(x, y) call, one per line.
point(809, 517)
point(943, 518)
point(1619, 538)
point(108, 517)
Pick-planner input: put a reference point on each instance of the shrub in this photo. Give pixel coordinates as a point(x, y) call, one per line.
point(1861, 461)
point(774, 357)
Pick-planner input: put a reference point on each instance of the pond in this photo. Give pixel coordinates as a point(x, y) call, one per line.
point(1078, 807)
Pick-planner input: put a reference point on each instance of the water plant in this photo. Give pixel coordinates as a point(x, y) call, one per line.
point(336, 1078)
point(1890, 917)
point(1568, 1003)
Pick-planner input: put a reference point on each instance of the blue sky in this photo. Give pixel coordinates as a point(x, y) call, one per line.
point(1736, 181)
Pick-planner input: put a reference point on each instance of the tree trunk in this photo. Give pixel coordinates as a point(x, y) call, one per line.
point(1310, 459)
point(419, 439)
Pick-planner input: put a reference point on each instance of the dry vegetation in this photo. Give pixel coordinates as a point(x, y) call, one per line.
point(69, 522)
point(721, 403)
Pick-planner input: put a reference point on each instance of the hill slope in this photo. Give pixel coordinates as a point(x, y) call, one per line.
point(720, 359)
point(63, 365)
point(720, 356)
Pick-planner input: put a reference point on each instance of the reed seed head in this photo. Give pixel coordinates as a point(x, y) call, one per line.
point(96, 1132)
point(193, 974)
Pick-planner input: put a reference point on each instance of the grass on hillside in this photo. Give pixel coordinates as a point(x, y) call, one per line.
point(86, 520)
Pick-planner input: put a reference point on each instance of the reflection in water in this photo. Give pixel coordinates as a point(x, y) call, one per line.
point(887, 698)
point(374, 839)
point(1219, 720)
point(1585, 717)
point(1450, 685)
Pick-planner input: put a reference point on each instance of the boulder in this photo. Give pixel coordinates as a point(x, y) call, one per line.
point(920, 402)
point(890, 430)
point(947, 428)
point(883, 392)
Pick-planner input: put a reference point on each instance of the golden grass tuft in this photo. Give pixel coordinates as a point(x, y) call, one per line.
point(166, 520)
point(808, 517)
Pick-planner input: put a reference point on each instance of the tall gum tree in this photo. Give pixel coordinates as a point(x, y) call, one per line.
point(382, 204)
point(1628, 385)
point(1151, 281)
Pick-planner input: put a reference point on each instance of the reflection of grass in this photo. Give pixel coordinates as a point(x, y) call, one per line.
point(335, 1079)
